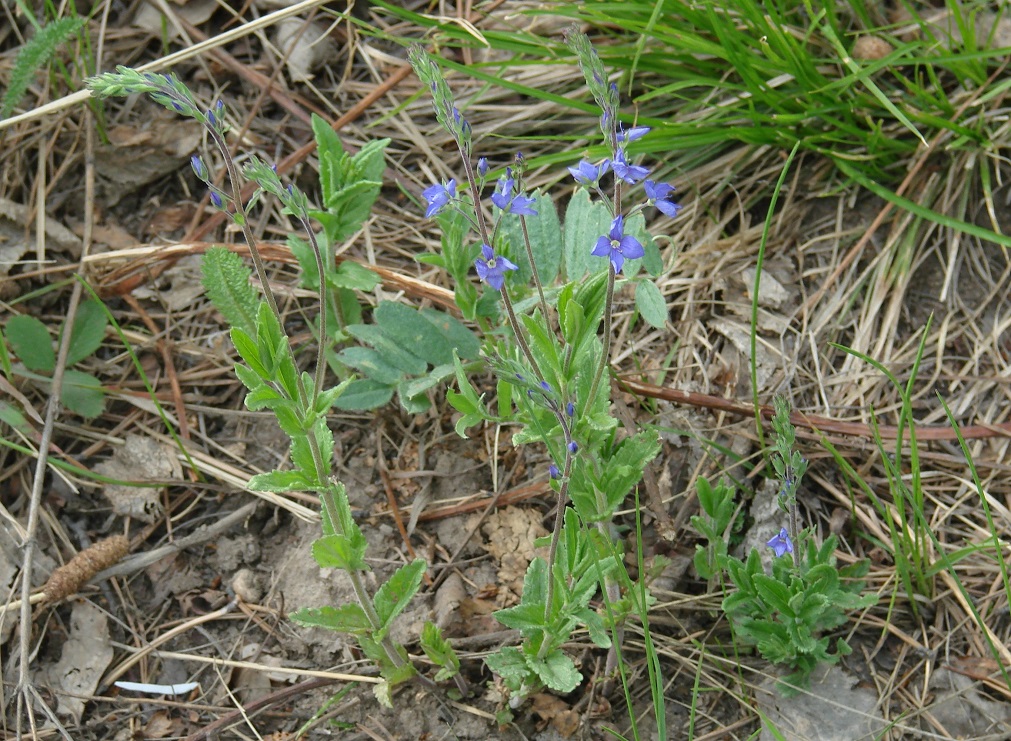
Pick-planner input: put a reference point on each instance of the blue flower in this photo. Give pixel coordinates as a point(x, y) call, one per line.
point(438, 197)
point(658, 195)
point(573, 447)
point(780, 543)
point(570, 409)
point(631, 174)
point(492, 268)
point(216, 199)
point(512, 204)
point(618, 246)
point(482, 166)
point(636, 132)
point(586, 173)
point(553, 471)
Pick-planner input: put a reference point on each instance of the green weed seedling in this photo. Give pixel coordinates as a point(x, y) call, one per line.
point(29, 339)
point(783, 615)
point(298, 399)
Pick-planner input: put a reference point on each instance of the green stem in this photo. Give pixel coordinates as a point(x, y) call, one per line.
point(606, 339)
point(322, 474)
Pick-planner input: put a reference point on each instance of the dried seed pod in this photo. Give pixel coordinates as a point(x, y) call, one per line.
point(69, 578)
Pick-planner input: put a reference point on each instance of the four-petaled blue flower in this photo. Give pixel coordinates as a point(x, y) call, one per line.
point(586, 173)
point(636, 132)
point(781, 543)
point(493, 267)
point(658, 195)
point(512, 204)
point(618, 246)
point(631, 174)
point(438, 197)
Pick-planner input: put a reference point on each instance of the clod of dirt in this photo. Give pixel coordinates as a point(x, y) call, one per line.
point(831, 709)
point(511, 533)
point(150, 18)
point(870, 48)
point(248, 586)
point(140, 459)
point(447, 602)
point(86, 654)
point(307, 47)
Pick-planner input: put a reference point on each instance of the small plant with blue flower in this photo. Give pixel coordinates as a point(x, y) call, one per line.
point(546, 314)
point(550, 353)
point(785, 615)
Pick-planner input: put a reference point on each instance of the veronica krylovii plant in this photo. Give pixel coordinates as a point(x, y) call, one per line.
point(784, 615)
point(298, 400)
point(550, 363)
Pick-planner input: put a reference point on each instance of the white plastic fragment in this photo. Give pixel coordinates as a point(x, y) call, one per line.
point(159, 689)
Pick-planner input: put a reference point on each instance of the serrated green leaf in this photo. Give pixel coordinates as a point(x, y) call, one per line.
point(339, 552)
point(364, 394)
point(393, 596)
point(413, 331)
point(508, 663)
point(439, 651)
point(651, 304)
point(278, 481)
point(264, 397)
point(535, 583)
point(545, 233)
point(248, 350)
point(624, 469)
point(371, 365)
point(524, 618)
point(775, 594)
point(226, 280)
point(349, 618)
point(585, 221)
point(88, 332)
point(82, 394)
point(30, 341)
point(556, 671)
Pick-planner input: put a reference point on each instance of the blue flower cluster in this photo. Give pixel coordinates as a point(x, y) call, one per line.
point(616, 245)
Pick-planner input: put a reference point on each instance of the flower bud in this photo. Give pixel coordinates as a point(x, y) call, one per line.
point(198, 168)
